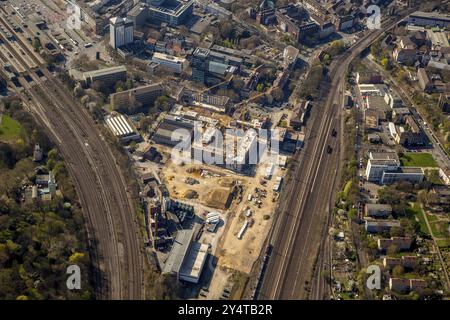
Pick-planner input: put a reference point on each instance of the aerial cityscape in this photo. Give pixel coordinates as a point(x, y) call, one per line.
point(224, 150)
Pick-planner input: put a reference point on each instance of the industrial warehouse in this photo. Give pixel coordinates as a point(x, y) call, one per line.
point(186, 258)
point(122, 128)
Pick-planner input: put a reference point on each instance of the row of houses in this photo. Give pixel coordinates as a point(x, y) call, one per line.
point(425, 46)
point(310, 19)
point(380, 100)
point(375, 222)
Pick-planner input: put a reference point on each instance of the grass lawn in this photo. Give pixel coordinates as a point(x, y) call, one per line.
point(418, 159)
point(443, 243)
point(418, 212)
point(9, 128)
point(432, 175)
point(440, 229)
point(432, 218)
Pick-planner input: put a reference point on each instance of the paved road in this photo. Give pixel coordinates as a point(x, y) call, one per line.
point(305, 205)
point(111, 219)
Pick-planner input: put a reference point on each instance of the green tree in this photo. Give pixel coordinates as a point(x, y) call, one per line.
point(260, 87)
point(385, 63)
point(277, 94)
point(398, 271)
point(162, 103)
point(145, 123)
point(37, 46)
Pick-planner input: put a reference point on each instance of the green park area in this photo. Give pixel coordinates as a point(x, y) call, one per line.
point(418, 159)
point(9, 128)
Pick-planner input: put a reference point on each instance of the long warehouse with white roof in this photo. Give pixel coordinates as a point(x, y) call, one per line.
point(121, 128)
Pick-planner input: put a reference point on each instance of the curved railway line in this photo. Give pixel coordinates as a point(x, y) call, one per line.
point(111, 222)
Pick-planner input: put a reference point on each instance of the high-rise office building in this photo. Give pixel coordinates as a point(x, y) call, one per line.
point(121, 31)
point(211, 67)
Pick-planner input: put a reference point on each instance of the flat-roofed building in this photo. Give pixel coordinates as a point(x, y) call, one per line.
point(389, 262)
point(399, 285)
point(429, 19)
point(138, 97)
point(245, 55)
point(375, 102)
point(400, 243)
point(425, 82)
point(139, 14)
point(378, 226)
point(212, 102)
point(444, 174)
point(193, 263)
point(121, 32)
point(368, 89)
point(412, 135)
point(376, 168)
point(407, 262)
point(169, 62)
point(369, 78)
point(211, 67)
point(384, 168)
point(411, 174)
point(345, 22)
point(208, 146)
point(377, 210)
point(372, 119)
point(108, 76)
point(295, 20)
point(393, 100)
point(172, 12)
point(121, 128)
point(186, 258)
point(407, 285)
point(173, 130)
point(399, 114)
point(266, 13)
point(417, 285)
point(380, 162)
point(217, 10)
point(179, 250)
point(290, 56)
point(244, 152)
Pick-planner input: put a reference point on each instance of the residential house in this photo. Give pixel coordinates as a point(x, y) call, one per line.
point(407, 285)
point(379, 226)
point(407, 262)
point(401, 243)
point(377, 210)
point(424, 80)
point(369, 78)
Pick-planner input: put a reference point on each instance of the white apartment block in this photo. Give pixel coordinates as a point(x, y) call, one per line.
point(168, 62)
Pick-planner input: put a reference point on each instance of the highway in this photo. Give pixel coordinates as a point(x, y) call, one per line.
point(306, 203)
point(112, 225)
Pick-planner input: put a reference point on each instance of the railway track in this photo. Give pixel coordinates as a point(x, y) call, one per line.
point(111, 221)
point(294, 234)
